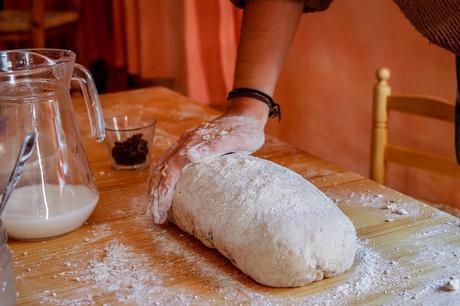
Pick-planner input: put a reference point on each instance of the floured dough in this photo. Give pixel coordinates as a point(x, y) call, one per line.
point(267, 220)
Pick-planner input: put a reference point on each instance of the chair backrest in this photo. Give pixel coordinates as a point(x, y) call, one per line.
point(383, 152)
point(37, 20)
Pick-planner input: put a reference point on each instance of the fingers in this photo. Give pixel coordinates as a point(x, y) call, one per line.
point(164, 191)
point(163, 178)
point(158, 165)
point(157, 171)
point(154, 205)
point(158, 206)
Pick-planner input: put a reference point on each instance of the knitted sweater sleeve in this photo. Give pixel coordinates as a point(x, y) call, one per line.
point(437, 20)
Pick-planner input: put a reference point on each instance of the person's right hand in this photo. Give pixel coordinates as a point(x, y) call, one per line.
point(226, 134)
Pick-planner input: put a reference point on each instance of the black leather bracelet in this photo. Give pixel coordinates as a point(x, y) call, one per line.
point(275, 110)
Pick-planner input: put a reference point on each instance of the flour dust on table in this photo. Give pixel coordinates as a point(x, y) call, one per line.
point(267, 220)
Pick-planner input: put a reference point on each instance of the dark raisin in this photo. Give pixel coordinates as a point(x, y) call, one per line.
point(132, 151)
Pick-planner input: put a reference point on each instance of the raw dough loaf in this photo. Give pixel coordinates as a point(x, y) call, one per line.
point(267, 220)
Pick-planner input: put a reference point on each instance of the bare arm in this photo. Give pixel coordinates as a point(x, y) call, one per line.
point(266, 35)
point(268, 29)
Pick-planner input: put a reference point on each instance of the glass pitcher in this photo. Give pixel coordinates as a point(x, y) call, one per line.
point(56, 193)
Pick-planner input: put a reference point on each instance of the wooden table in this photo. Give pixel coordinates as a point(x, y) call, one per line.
point(407, 249)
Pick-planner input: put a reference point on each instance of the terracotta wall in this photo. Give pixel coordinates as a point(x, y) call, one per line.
point(325, 91)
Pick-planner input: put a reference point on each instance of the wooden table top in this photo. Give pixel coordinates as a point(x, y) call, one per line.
point(407, 250)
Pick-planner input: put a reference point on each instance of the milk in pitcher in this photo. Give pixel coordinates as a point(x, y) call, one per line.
point(61, 210)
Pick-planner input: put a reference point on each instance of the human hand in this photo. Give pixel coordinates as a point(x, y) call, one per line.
point(226, 134)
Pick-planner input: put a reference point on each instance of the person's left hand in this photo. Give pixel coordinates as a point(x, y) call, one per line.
point(226, 134)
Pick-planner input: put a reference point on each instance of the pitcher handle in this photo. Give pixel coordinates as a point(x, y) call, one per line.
point(93, 105)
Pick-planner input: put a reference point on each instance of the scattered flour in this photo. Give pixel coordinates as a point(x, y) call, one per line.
point(121, 271)
point(102, 173)
point(371, 273)
point(453, 284)
point(426, 273)
point(121, 274)
point(313, 172)
point(433, 251)
point(162, 139)
point(99, 231)
point(85, 299)
point(393, 209)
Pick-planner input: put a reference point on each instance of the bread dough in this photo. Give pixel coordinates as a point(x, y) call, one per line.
point(267, 220)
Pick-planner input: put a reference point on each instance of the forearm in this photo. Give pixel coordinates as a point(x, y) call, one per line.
point(267, 32)
point(268, 29)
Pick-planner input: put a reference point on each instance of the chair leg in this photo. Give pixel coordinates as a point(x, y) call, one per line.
point(38, 20)
point(77, 39)
point(38, 38)
point(380, 126)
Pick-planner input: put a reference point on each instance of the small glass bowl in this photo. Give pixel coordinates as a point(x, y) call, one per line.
point(129, 140)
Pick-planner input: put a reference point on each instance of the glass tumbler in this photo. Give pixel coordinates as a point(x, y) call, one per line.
point(7, 277)
point(129, 139)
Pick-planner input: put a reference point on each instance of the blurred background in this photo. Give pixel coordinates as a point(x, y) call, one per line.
point(325, 88)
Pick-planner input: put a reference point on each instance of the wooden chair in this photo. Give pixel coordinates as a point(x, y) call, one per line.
point(383, 152)
point(32, 26)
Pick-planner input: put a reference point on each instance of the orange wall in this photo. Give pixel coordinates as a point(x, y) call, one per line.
point(325, 90)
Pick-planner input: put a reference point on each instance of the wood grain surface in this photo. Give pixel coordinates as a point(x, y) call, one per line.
point(53, 271)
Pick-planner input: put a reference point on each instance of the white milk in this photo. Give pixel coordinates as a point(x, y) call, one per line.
point(31, 215)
